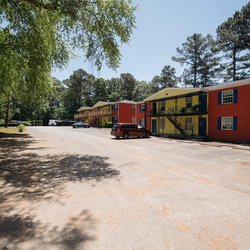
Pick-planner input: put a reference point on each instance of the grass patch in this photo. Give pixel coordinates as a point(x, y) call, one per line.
point(12, 130)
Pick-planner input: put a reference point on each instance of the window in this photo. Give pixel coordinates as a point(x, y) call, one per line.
point(142, 107)
point(227, 96)
point(162, 105)
point(188, 124)
point(162, 123)
point(188, 101)
point(133, 119)
point(226, 123)
point(133, 106)
point(142, 122)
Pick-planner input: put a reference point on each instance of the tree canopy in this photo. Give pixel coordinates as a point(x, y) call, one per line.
point(234, 38)
point(37, 35)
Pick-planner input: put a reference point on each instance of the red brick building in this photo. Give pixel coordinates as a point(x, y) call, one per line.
point(229, 111)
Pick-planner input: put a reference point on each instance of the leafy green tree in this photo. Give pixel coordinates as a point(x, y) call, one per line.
point(78, 92)
point(200, 55)
point(234, 38)
point(127, 86)
point(36, 35)
point(100, 91)
point(142, 90)
point(95, 26)
point(167, 78)
point(113, 89)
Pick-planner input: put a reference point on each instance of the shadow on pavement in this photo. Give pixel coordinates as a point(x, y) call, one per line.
point(28, 177)
point(33, 176)
point(17, 231)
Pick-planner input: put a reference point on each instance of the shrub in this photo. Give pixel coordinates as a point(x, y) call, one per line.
point(108, 125)
point(21, 127)
point(26, 123)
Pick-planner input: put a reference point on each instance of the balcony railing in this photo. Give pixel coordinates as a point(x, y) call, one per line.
point(101, 113)
point(196, 109)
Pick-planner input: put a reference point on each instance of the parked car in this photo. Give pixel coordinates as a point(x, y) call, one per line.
point(65, 123)
point(80, 125)
point(126, 130)
point(52, 122)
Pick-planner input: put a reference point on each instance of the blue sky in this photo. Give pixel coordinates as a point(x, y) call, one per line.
point(162, 26)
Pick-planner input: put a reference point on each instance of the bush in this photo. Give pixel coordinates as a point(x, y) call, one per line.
point(21, 127)
point(26, 123)
point(108, 125)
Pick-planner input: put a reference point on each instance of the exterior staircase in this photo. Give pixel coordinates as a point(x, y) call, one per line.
point(92, 121)
point(177, 125)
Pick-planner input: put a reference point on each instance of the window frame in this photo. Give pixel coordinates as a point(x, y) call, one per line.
point(189, 101)
point(142, 122)
point(226, 97)
point(162, 123)
point(189, 125)
point(223, 123)
point(142, 107)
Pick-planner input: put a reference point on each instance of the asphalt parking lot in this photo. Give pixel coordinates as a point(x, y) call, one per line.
point(65, 188)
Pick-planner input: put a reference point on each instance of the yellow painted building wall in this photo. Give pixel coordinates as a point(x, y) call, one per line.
point(170, 129)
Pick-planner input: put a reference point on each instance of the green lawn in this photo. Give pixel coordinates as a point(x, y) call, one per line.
point(12, 130)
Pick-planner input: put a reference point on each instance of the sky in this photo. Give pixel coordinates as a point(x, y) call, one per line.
point(162, 26)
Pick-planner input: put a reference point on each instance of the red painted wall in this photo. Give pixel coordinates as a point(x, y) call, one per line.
point(148, 115)
point(126, 112)
point(139, 114)
point(241, 110)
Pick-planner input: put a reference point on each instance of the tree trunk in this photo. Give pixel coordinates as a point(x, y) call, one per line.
point(234, 64)
point(7, 111)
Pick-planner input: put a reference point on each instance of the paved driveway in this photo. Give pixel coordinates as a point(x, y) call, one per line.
point(67, 188)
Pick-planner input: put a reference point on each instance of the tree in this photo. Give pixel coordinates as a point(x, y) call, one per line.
point(100, 91)
point(166, 79)
point(113, 89)
point(95, 26)
point(142, 90)
point(199, 54)
point(127, 86)
point(78, 92)
point(36, 35)
point(234, 38)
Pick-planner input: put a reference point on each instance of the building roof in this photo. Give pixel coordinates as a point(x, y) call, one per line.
point(83, 108)
point(127, 101)
point(101, 104)
point(228, 85)
point(171, 92)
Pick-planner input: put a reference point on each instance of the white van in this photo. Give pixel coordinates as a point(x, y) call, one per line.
point(52, 122)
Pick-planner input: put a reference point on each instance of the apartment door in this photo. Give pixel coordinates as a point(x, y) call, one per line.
point(203, 103)
point(154, 126)
point(202, 126)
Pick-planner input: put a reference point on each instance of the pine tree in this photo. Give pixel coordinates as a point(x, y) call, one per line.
point(234, 38)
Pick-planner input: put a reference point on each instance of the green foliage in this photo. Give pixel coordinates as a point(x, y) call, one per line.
point(200, 55)
point(108, 125)
point(21, 127)
point(127, 86)
point(37, 35)
point(37, 123)
point(233, 38)
point(98, 27)
point(167, 78)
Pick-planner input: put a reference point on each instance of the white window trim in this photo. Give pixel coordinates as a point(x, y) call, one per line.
point(232, 119)
point(222, 99)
